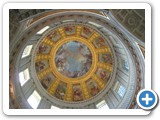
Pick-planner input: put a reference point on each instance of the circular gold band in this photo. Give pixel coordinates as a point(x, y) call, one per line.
point(67, 79)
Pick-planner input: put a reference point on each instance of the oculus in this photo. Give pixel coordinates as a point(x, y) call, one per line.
point(73, 59)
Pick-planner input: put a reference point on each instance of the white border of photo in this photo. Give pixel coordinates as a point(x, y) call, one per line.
point(8, 6)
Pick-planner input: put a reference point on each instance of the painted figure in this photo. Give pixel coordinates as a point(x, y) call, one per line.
point(77, 93)
point(100, 42)
point(60, 91)
point(107, 58)
point(49, 36)
point(42, 48)
point(69, 30)
point(39, 66)
point(46, 82)
point(87, 31)
point(73, 59)
point(54, 36)
point(93, 88)
point(103, 74)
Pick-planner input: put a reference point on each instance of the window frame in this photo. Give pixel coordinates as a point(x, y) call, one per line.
point(41, 31)
point(102, 105)
point(34, 97)
point(27, 51)
point(24, 76)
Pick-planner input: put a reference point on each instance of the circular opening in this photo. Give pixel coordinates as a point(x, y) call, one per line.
point(73, 59)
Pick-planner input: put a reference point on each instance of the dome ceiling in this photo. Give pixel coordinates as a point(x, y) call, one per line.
point(73, 62)
point(83, 58)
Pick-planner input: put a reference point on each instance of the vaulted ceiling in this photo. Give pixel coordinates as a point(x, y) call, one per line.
point(76, 58)
point(132, 20)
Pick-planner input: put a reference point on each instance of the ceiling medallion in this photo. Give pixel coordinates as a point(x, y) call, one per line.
point(73, 63)
point(73, 59)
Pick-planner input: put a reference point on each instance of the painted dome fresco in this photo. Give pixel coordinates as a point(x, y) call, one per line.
point(73, 62)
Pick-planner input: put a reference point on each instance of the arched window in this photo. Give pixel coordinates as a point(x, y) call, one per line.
point(102, 105)
point(27, 51)
point(125, 65)
point(54, 107)
point(24, 76)
point(42, 30)
point(94, 24)
point(121, 90)
point(34, 99)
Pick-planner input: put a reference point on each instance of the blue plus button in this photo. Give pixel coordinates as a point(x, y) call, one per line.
point(147, 99)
